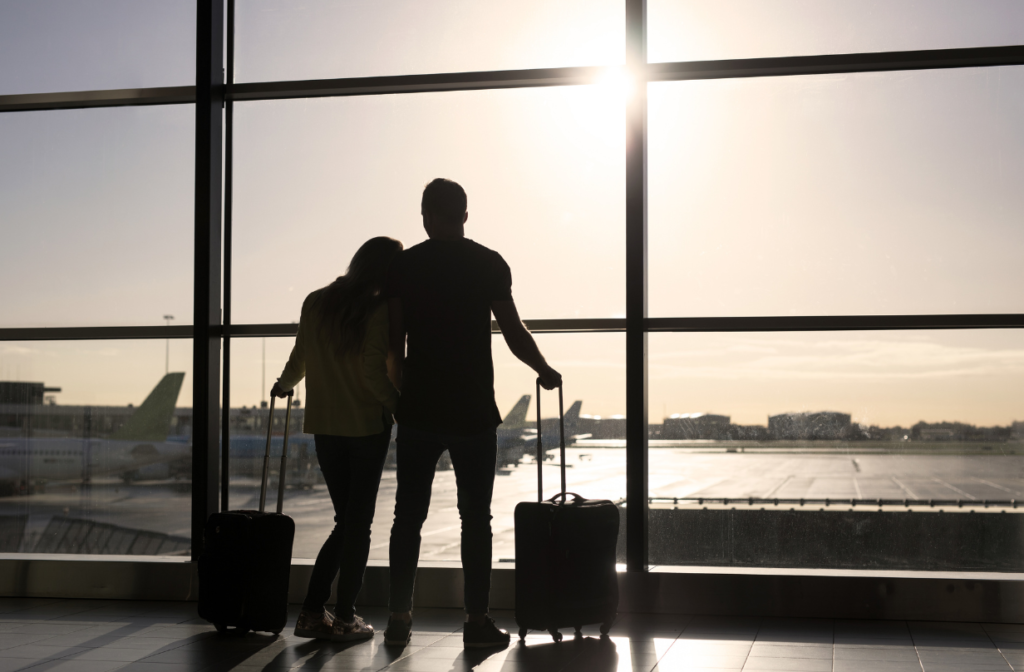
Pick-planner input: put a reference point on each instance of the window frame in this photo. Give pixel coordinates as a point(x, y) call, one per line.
point(213, 329)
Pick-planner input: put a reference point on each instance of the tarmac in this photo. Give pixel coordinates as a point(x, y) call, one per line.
point(592, 471)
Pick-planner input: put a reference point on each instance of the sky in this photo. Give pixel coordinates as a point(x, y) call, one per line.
point(879, 193)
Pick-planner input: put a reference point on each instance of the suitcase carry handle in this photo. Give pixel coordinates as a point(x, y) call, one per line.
point(540, 448)
point(284, 455)
point(575, 497)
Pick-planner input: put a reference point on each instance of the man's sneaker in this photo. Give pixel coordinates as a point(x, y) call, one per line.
point(398, 632)
point(484, 635)
point(314, 625)
point(352, 631)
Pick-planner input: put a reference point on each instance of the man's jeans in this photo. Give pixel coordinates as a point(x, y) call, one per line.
point(473, 458)
point(352, 467)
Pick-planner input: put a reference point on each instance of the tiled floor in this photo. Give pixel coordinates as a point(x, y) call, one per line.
point(99, 636)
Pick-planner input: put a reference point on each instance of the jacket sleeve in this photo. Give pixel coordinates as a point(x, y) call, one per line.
point(375, 360)
point(295, 369)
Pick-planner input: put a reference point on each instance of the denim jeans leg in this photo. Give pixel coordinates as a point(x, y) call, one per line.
point(418, 453)
point(473, 459)
point(330, 453)
point(366, 462)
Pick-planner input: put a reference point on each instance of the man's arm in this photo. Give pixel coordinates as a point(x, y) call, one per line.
point(396, 342)
point(520, 342)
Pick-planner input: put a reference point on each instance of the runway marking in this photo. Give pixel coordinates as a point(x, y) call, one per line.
point(905, 488)
point(776, 488)
point(953, 487)
point(995, 485)
point(856, 486)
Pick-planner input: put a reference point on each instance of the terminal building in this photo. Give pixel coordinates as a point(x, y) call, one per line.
point(807, 426)
point(697, 426)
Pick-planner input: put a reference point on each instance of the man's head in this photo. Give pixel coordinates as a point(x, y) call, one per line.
point(444, 209)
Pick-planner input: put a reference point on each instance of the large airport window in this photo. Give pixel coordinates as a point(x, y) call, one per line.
point(594, 401)
point(543, 169)
point(697, 30)
point(318, 39)
point(594, 404)
point(66, 45)
point(878, 193)
point(855, 450)
point(96, 447)
point(98, 215)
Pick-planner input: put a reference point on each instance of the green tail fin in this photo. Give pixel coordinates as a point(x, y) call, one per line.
point(516, 418)
point(152, 420)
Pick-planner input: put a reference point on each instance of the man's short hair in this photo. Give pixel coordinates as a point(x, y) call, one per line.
point(445, 200)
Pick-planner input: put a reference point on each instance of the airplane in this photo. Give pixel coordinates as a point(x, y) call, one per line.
point(303, 471)
point(550, 433)
point(516, 436)
point(142, 441)
point(511, 445)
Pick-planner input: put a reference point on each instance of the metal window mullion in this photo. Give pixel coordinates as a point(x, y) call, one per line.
point(636, 293)
point(207, 278)
point(822, 64)
point(229, 135)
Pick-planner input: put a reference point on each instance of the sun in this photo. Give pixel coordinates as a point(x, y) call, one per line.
point(618, 84)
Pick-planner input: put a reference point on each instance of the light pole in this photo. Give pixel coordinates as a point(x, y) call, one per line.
point(167, 354)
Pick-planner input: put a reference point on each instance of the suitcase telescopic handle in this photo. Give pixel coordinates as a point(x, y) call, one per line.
point(284, 456)
point(540, 446)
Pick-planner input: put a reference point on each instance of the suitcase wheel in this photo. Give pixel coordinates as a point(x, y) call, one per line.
point(234, 632)
point(605, 627)
point(555, 635)
point(579, 630)
point(522, 634)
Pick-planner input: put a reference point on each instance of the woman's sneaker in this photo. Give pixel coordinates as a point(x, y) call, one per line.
point(349, 632)
point(398, 633)
point(315, 625)
point(484, 634)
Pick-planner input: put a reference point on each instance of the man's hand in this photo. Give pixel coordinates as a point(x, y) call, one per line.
point(549, 378)
point(276, 391)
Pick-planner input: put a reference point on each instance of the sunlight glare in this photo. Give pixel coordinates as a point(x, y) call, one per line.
point(618, 83)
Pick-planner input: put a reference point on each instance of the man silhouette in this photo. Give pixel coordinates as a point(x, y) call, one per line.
point(441, 294)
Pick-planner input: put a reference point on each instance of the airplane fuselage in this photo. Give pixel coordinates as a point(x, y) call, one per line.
point(71, 459)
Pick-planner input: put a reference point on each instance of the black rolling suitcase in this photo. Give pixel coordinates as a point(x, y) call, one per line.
point(565, 555)
point(247, 559)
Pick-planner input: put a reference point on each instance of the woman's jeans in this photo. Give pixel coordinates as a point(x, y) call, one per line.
point(351, 467)
point(473, 460)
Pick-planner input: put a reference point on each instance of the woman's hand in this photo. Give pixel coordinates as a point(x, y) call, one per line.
point(276, 391)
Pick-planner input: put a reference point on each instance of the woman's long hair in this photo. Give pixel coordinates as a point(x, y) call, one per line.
point(345, 305)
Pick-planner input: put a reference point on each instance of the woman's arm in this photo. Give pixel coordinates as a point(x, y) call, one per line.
point(295, 369)
point(396, 341)
point(375, 360)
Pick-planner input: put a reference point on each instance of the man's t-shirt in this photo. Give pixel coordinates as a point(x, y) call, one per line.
point(446, 288)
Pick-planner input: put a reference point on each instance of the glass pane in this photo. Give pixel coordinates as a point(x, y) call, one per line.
point(67, 45)
point(696, 30)
point(98, 216)
point(96, 447)
point(593, 368)
point(881, 193)
point(543, 169)
point(321, 39)
point(884, 450)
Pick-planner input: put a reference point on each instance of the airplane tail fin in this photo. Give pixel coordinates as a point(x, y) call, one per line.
point(572, 418)
point(516, 418)
point(152, 420)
